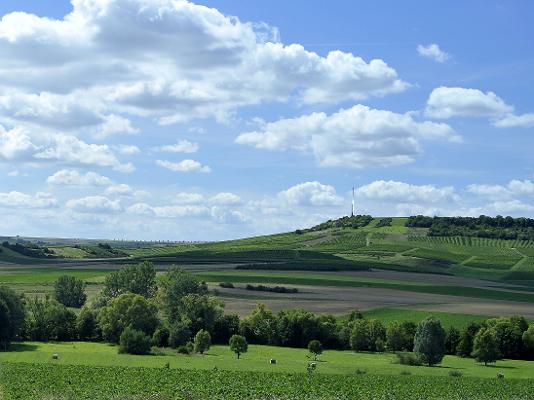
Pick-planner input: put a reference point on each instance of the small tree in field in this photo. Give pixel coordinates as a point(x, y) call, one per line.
point(202, 341)
point(238, 344)
point(316, 348)
point(69, 291)
point(429, 342)
point(486, 347)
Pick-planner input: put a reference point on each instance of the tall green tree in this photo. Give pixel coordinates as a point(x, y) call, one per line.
point(486, 346)
point(202, 341)
point(429, 341)
point(70, 291)
point(12, 314)
point(86, 324)
point(452, 340)
point(138, 279)
point(465, 347)
point(360, 336)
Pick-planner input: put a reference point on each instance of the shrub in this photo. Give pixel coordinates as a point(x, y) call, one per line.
point(405, 373)
point(409, 359)
point(202, 341)
point(361, 371)
point(179, 334)
point(160, 338)
point(227, 285)
point(316, 348)
point(238, 344)
point(133, 341)
point(86, 324)
point(455, 373)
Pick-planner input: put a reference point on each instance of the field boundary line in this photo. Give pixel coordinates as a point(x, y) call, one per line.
point(468, 260)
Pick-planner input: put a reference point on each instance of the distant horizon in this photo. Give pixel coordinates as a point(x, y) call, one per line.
point(212, 120)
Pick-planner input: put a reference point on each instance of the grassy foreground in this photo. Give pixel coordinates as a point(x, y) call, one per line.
point(289, 360)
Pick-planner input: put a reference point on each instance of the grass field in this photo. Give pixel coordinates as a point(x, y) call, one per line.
point(289, 360)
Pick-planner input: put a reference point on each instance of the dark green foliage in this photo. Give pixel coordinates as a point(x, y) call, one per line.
point(465, 347)
point(160, 338)
point(138, 279)
point(377, 335)
point(486, 346)
point(133, 341)
point(355, 222)
point(69, 291)
point(406, 358)
point(238, 344)
point(384, 222)
point(86, 324)
point(311, 265)
point(429, 341)
point(274, 289)
point(179, 334)
point(200, 311)
point(260, 326)
point(316, 348)
point(30, 250)
point(225, 327)
point(528, 342)
point(296, 327)
point(360, 336)
point(508, 333)
point(11, 316)
point(452, 340)
point(487, 227)
point(127, 310)
point(202, 341)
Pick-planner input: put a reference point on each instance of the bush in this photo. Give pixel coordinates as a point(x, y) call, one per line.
point(160, 338)
point(361, 371)
point(186, 348)
point(133, 341)
point(202, 341)
point(455, 373)
point(409, 359)
point(179, 334)
point(227, 285)
point(405, 373)
point(86, 324)
point(316, 348)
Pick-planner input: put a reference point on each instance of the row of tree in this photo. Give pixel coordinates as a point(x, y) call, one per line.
point(488, 227)
point(171, 310)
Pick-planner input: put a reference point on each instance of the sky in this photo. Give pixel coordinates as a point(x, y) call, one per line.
point(172, 120)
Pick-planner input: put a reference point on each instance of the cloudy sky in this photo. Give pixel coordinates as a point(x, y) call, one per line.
point(165, 119)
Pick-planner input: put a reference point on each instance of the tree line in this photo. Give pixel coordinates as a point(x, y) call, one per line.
point(498, 227)
point(138, 310)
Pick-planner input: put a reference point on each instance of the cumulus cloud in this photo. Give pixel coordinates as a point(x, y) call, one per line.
point(354, 137)
point(184, 166)
point(405, 192)
point(183, 146)
point(433, 52)
point(121, 190)
point(19, 145)
point(127, 149)
point(512, 121)
point(73, 177)
point(97, 64)
point(226, 198)
point(94, 204)
point(447, 102)
point(310, 194)
point(188, 198)
point(16, 199)
point(491, 191)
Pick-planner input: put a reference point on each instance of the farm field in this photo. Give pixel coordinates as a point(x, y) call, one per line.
point(36, 382)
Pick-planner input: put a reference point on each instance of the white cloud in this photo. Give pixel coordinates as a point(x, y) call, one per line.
point(355, 137)
point(521, 187)
point(310, 194)
point(172, 60)
point(404, 192)
point(15, 144)
point(75, 178)
point(511, 207)
point(16, 199)
point(120, 190)
point(127, 149)
point(183, 146)
point(433, 52)
point(512, 121)
point(94, 204)
point(226, 198)
point(447, 102)
point(491, 191)
point(188, 198)
point(184, 166)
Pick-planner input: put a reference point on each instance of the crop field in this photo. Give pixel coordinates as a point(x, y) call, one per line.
point(37, 382)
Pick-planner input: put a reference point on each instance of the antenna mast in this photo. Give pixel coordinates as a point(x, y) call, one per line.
point(352, 212)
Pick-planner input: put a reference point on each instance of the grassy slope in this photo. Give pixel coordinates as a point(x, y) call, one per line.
point(289, 360)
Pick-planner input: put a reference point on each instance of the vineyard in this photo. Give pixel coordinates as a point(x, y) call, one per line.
point(37, 382)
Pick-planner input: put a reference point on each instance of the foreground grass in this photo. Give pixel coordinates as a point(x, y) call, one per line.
point(289, 360)
point(38, 382)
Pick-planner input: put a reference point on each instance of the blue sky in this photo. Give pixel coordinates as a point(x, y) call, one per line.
point(218, 119)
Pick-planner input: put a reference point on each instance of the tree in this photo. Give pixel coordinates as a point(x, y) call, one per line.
point(528, 341)
point(360, 337)
point(429, 341)
point(225, 327)
point(260, 326)
point(49, 320)
point(179, 334)
point(394, 337)
point(200, 311)
point(127, 310)
point(465, 347)
point(377, 335)
point(173, 287)
point(486, 346)
point(452, 340)
point(238, 344)
point(86, 324)
point(508, 333)
point(138, 279)
point(133, 341)
point(12, 315)
point(69, 291)
point(202, 341)
point(316, 348)
point(160, 338)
